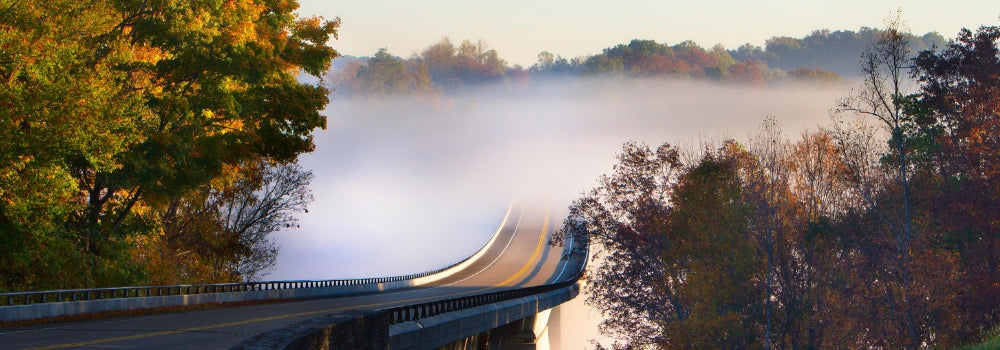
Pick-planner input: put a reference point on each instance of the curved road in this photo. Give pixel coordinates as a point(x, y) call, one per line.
point(518, 257)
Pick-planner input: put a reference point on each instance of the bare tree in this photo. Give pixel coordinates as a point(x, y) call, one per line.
point(766, 190)
point(229, 227)
point(884, 85)
point(259, 206)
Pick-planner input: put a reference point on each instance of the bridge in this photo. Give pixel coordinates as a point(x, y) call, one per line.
point(499, 298)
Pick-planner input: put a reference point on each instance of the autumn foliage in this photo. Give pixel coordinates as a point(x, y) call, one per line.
point(129, 127)
point(822, 57)
point(879, 233)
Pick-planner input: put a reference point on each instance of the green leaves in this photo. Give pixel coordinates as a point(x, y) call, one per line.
point(114, 109)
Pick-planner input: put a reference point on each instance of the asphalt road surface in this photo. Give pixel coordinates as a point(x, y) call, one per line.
point(519, 257)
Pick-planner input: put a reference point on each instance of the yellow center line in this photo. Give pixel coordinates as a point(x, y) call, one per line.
point(534, 256)
point(254, 320)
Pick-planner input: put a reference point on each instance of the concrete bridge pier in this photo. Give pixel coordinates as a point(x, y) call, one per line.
point(530, 333)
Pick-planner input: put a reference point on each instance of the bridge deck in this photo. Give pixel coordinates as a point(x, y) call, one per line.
point(518, 257)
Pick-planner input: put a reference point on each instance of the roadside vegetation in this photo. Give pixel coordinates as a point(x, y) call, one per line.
point(152, 142)
point(880, 231)
point(992, 341)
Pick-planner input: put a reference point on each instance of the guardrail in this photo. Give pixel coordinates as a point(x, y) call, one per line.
point(414, 312)
point(417, 311)
point(63, 295)
point(368, 329)
point(53, 296)
point(373, 329)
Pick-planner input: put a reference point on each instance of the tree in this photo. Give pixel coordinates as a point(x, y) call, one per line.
point(440, 60)
point(833, 51)
point(767, 191)
point(224, 233)
point(677, 259)
point(821, 195)
point(721, 59)
point(712, 253)
point(957, 113)
point(62, 107)
point(814, 75)
point(470, 63)
point(385, 74)
point(622, 219)
point(555, 65)
point(747, 72)
point(882, 97)
point(129, 105)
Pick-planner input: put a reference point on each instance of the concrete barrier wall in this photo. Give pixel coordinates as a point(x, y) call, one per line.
point(67, 308)
point(350, 330)
point(371, 329)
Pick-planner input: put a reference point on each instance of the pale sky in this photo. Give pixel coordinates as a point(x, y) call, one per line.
point(520, 29)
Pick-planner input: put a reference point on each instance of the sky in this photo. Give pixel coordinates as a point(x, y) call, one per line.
point(520, 29)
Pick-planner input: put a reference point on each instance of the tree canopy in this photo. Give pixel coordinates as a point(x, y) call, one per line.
point(116, 111)
point(879, 232)
point(822, 57)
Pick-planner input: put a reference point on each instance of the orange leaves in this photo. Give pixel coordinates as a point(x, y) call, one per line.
point(238, 20)
point(114, 110)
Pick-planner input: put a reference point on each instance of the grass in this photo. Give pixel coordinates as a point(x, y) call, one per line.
point(991, 341)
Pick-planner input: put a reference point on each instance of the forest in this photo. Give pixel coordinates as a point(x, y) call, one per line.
point(881, 231)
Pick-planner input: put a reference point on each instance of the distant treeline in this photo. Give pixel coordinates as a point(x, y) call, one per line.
point(821, 57)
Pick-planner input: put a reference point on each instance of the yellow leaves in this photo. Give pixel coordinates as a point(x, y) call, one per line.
point(23, 160)
point(199, 22)
point(242, 15)
point(231, 125)
point(229, 174)
point(315, 22)
point(221, 124)
point(235, 85)
point(141, 209)
point(147, 54)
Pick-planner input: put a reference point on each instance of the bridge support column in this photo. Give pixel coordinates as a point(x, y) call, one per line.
point(529, 333)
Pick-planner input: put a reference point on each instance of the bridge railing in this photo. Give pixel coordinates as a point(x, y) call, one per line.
point(373, 329)
point(414, 312)
point(62, 295)
point(417, 311)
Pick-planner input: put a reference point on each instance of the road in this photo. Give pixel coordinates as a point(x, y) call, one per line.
point(518, 257)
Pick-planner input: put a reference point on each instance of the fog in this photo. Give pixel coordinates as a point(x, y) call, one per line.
point(405, 185)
